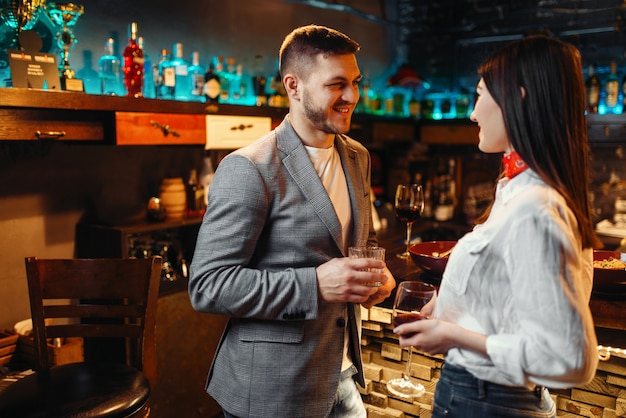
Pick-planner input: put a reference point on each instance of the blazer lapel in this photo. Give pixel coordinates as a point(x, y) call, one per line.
point(355, 185)
point(299, 166)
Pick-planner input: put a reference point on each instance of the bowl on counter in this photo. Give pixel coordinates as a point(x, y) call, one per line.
point(609, 275)
point(432, 256)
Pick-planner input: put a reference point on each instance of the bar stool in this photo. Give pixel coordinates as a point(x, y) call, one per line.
point(89, 298)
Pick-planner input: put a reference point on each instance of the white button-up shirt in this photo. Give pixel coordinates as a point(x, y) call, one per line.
point(522, 279)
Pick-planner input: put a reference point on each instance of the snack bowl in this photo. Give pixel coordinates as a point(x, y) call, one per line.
point(432, 256)
point(608, 280)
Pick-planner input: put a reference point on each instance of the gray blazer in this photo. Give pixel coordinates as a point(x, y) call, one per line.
point(269, 223)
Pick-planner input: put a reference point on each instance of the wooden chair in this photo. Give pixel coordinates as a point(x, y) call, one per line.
point(89, 298)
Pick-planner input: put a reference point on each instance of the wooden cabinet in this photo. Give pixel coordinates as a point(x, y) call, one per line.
point(27, 114)
point(232, 132)
point(606, 129)
point(40, 124)
point(461, 132)
point(147, 128)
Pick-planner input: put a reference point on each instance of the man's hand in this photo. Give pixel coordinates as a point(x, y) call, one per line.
point(346, 280)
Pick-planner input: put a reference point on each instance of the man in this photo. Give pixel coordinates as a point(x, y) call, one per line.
point(271, 251)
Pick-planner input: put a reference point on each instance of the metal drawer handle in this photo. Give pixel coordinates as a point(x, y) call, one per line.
point(165, 129)
point(241, 127)
point(50, 134)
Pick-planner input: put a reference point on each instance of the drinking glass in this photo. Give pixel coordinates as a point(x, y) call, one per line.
point(409, 205)
point(377, 253)
point(411, 297)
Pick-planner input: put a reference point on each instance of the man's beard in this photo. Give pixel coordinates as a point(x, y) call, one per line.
point(319, 117)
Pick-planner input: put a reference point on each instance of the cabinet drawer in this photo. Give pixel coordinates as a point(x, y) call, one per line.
point(138, 128)
point(35, 124)
point(449, 133)
point(233, 132)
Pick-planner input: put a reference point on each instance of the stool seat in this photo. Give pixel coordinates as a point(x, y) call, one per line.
point(107, 390)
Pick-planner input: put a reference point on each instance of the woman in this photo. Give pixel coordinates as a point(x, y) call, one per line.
point(512, 311)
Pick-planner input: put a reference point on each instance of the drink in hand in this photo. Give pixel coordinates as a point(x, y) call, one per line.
point(411, 297)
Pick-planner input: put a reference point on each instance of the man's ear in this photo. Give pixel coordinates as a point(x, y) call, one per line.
point(291, 86)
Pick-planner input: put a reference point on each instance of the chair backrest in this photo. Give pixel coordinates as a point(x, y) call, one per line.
point(96, 298)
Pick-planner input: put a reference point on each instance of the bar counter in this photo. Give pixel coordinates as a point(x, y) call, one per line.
point(384, 359)
point(608, 310)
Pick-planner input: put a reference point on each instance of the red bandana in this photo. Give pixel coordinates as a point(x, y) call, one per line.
point(513, 164)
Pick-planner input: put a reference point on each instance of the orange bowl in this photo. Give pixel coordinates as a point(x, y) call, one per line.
point(424, 254)
point(608, 280)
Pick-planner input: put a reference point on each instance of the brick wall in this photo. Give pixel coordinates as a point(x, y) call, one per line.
point(603, 397)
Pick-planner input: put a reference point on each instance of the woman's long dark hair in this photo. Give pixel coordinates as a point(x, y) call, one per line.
point(537, 81)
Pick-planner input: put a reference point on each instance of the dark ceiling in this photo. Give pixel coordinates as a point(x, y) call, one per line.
point(445, 40)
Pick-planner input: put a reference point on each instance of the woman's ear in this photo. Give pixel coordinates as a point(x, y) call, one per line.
point(523, 90)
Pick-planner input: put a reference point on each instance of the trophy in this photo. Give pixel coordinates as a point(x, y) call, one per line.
point(66, 15)
point(16, 17)
point(20, 14)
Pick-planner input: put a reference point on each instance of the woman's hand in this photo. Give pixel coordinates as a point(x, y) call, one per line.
point(436, 336)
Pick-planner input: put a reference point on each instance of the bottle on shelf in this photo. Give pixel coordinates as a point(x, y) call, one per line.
point(258, 81)
point(133, 64)
point(166, 79)
point(623, 92)
point(611, 90)
point(206, 175)
point(195, 195)
point(212, 85)
point(196, 78)
point(181, 74)
point(148, 90)
point(364, 98)
point(592, 88)
point(445, 205)
point(278, 95)
point(237, 86)
point(110, 70)
point(225, 71)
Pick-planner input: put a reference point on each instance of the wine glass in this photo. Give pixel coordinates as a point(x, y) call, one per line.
point(409, 206)
point(411, 297)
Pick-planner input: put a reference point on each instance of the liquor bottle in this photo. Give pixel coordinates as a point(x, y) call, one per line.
point(133, 64)
point(278, 95)
point(224, 72)
point(212, 85)
point(181, 74)
point(364, 94)
point(237, 87)
point(206, 175)
point(624, 92)
point(195, 195)
point(592, 87)
point(148, 90)
point(110, 70)
point(611, 90)
point(258, 81)
point(196, 78)
point(166, 77)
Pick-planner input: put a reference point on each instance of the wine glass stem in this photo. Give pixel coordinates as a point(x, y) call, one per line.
point(407, 373)
point(408, 236)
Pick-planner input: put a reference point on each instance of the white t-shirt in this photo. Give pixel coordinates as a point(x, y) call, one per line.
point(327, 163)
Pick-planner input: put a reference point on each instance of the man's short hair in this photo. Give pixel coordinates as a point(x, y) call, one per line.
point(301, 47)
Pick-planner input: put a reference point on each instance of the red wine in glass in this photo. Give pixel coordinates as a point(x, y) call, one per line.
point(411, 297)
point(407, 317)
point(408, 213)
point(409, 204)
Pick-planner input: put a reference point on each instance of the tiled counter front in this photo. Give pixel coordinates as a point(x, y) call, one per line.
point(603, 397)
